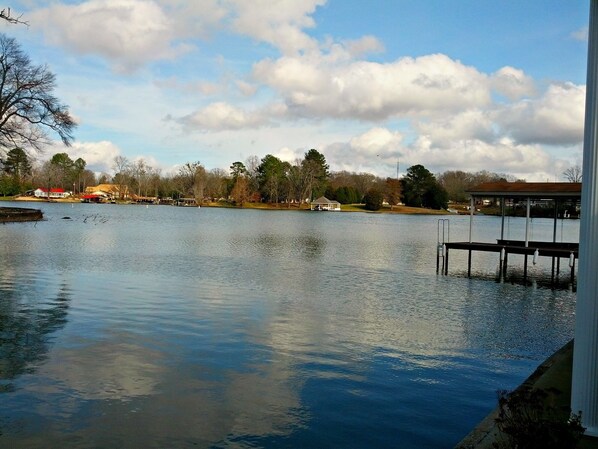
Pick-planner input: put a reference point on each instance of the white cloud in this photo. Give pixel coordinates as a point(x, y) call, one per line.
point(202, 87)
point(555, 118)
point(288, 155)
point(99, 156)
point(530, 162)
point(128, 33)
point(502, 156)
point(378, 151)
point(364, 45)
point(373, 151)
point(247, 89)
point(277, 22)
point(131, 33)
point(317, 86)
point(378, 142)
point(223, 116)
point(473, 124)
point(512, 83)
point(581, 34)
point(197, 18)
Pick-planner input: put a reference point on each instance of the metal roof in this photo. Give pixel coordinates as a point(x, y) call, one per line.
point(324, 200)
point(543, 190)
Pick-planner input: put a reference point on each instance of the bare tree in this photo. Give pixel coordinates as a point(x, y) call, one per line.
point(139, 170)
point(122, 169)
point(251, 164)
point(573, 174)
point(240, 191)
point(27, 107)
point(192, 178)
point(6, 15)
point(154, 181)
point(216, 184)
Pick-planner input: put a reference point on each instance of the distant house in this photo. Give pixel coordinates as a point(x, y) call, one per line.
point(324, 203)
point(40, 192)
point(110, 191)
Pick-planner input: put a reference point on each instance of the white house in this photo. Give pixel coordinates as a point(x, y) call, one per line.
point(40, 192)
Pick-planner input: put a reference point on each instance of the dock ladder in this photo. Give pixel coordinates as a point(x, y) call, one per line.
point(442, 237)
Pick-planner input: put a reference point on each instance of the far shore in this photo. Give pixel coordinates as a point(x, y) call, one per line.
point(400, 209)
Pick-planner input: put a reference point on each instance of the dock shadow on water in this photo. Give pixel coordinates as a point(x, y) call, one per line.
point(533, 278)
point(516, 276)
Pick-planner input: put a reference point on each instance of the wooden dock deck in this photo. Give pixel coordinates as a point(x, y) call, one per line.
point(556, 250)
point(523, 193)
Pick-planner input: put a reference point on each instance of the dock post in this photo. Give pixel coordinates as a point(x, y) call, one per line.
point(469, 264)
point(556, 216)
point(558, 266)
point(446, 259)
point(501, 259)
point(504, 265)
point(525, 268)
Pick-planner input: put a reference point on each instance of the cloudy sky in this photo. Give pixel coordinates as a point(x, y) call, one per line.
point(460, 84)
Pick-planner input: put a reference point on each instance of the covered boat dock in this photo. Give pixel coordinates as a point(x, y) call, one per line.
point(324, 203)
point(526, 193)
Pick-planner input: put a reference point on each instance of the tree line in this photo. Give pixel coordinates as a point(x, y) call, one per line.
point(268, 180)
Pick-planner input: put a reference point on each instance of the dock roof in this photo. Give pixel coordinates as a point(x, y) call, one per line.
point(324, 200)
point(543, 190)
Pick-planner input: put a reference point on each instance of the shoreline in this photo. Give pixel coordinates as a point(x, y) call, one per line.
point(553, 374)
point(405, 210)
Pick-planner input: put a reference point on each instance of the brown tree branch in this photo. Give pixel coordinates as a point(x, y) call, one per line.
point(5, 14)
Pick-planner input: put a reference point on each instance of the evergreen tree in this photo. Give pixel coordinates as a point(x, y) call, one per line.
point(315, 173)
point(420, 189)
point(17, 164)
point(271, 174)
point(63, 167)
point(373, 199)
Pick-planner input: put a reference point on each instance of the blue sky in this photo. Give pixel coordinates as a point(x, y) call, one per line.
point(453, 85)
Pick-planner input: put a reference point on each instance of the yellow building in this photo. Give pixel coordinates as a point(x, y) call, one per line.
point(111, 191)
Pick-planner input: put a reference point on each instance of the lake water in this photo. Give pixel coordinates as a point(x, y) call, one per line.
point(165, 327)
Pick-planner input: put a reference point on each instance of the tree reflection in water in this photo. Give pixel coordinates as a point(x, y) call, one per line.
point(28, 317)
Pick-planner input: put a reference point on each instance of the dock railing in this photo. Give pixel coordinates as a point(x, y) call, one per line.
point(442, 238)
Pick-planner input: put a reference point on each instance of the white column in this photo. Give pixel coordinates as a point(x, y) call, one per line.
point(584, 394)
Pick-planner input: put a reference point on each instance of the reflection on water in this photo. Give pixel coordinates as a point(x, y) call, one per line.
point(181, 327)
point(29, 314)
